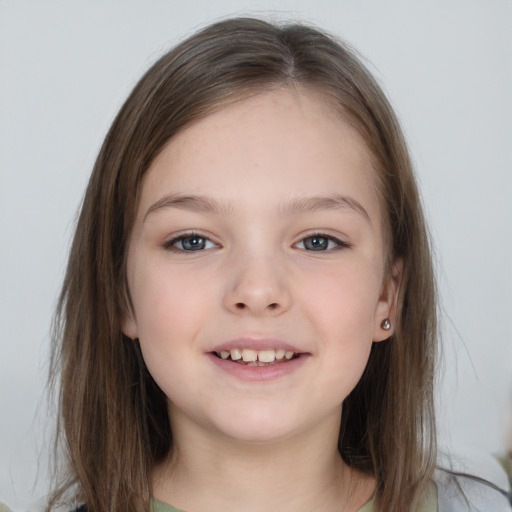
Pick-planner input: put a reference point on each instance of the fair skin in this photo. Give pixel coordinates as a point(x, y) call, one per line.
point(258, 233)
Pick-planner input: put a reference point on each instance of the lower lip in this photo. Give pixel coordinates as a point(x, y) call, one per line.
point(259, 373)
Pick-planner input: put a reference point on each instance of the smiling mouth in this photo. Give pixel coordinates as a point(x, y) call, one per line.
point(250, 357)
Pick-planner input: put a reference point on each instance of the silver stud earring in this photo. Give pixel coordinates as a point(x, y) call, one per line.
point(386, 324)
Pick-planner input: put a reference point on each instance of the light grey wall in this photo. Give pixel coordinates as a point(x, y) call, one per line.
point(66, 67)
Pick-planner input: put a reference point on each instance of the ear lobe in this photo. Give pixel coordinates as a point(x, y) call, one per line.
point(388, 304)
point(129, 326)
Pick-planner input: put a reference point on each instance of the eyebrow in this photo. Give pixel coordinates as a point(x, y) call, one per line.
point(332, 202)
point(198, 203)
point(192, 203)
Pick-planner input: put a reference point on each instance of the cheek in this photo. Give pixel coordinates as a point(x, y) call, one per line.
point(163, 298)
point(343, 301)
point(168, 306)
point(341, 306)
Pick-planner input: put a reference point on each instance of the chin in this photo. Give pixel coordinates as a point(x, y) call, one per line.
point(258, 425)
point(257, 434)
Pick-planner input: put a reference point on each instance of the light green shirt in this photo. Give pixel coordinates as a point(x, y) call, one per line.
point(430, 504)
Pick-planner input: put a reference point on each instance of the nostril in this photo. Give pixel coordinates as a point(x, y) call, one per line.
point(240, 306)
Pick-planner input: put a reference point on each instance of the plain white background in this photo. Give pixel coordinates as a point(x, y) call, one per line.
point(65, 68)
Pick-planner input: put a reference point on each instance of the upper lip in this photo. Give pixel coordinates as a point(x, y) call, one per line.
point(256, 344)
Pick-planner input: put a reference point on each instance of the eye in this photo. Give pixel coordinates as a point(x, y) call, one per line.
point(320, 242)
point(189, 243)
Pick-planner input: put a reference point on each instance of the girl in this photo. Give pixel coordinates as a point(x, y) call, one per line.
point(248, 316)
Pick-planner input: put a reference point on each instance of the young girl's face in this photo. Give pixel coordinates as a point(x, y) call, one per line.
point(259, 236)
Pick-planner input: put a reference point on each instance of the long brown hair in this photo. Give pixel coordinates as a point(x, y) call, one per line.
point(113, 420)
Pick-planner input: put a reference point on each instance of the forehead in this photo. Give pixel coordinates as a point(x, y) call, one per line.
point(270, 147)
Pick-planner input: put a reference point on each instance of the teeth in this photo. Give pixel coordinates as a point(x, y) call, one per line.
point(236, 354)
point(280, 353)
point(267, 356)
point(259, 358)
point(249, 355)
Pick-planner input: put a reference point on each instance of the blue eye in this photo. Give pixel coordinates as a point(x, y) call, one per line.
point(190, 243)
point(320, 243)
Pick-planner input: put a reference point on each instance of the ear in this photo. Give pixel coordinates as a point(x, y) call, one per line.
point(129, 326)
point(388, 303)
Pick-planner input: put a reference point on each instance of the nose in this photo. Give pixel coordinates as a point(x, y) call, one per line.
point(257, 286)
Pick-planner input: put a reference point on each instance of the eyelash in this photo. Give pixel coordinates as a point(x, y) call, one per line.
point(340, 244)
point(171, 244)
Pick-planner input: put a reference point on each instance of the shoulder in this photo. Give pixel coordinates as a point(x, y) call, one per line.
point(461, 493)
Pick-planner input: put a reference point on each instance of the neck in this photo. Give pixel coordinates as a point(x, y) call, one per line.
point(304, 472)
